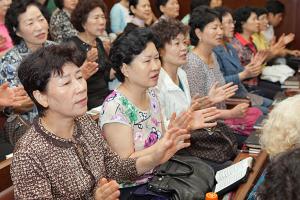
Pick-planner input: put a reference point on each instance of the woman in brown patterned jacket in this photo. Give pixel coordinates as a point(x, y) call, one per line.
point(64, 155)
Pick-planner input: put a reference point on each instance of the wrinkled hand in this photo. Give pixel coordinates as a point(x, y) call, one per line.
point(92, 55)
point(218, 94)
point(88, 69)
point(23, 102)
point(199, 102)
point(288, 38)
point(181, 122)
point(107, 190)
point(204, 118)
point(173, 141)
point(7, 95)
point(239, 110)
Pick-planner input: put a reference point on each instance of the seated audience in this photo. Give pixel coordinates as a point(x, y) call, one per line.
point(246, 25)
point(275, 13)
point(202, 67)
point(61, 28)
point(89, 20)
point(29, 30)
point(282, 178)
point(131, 115)
point(5, 40)
point(141, 14)
point(119, 16)
point(195, 3)
point(275, 49)
point(64, 155)
point(168, 8)
point(231, 67)
point(174, 92)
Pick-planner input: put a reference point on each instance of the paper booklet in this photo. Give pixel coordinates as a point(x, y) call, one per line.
point(232, 176)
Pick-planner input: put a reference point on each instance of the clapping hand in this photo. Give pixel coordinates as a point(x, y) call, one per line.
point(199, 102)
point(174, 140)
point(88, 68)
point(107, 190)
point(204, 118)
point(218, 94)
point(239, 110)
point(92, 55)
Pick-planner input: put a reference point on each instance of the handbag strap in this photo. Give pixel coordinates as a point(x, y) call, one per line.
point(174, 160)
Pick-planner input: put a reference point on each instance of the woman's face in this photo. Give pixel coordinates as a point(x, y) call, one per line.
point(212, 34)
point(33, 26)
point(142, 9)
point(144, 69)
point(66, 95)
point(4, 5)
point(215, 3)
point(171, 9)
point(95, 22)
point(252, 24)
point(70, 5)
point(175, 51)
point(228, 25)
point(263, 22)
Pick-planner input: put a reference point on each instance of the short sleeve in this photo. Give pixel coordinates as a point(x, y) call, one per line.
point(114, 111)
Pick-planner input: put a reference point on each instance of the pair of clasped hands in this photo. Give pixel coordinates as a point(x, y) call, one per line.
point(15, 97)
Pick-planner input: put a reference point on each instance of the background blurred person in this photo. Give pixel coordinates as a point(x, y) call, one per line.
point(61, 28)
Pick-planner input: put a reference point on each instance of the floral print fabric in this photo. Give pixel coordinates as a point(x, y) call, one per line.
point(146, 125)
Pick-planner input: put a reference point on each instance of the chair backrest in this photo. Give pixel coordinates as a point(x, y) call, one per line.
point(5, 174)
point(7, 194)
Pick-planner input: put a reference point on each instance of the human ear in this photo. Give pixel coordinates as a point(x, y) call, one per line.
point(41, 98)
point(124, 70)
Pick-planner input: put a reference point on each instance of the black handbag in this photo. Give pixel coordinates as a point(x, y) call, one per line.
point(218, 144)
point(183, 178)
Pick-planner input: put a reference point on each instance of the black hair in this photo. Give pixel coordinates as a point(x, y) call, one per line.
point(127, 46)
point(196, 3)
point(222, 11)
point(260, 11)
point(161, 3)
point(167, 30)
point(59, 3)
point(200, 17)
point(133, 3)
point(275, 7)
point(17, 8)
point(282, 179)
point(36, 70)
point(241, 15)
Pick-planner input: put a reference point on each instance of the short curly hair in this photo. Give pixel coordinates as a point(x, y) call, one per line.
point(281, 131)
point(282, 179)
point(127, 46)
point(241, 15)
point(36, 70)
point(83, 8)
point(200, 17)
point(167, 30)
point(12, 17)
